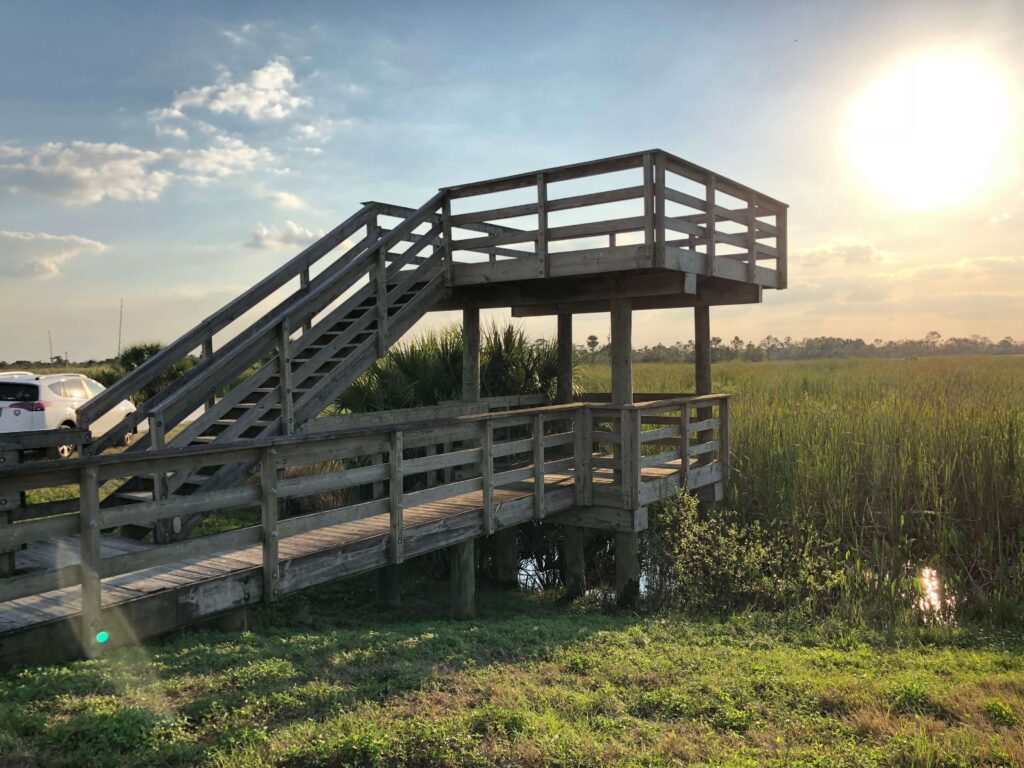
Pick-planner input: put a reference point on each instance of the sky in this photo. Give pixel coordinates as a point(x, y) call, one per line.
point(173, 154)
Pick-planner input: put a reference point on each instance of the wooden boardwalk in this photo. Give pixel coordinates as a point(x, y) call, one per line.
point(305, 559)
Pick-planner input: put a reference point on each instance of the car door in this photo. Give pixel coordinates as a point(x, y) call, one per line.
point(103, 424)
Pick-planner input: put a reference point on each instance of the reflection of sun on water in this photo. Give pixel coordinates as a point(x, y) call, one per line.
point(934, 130)
point(933, 601)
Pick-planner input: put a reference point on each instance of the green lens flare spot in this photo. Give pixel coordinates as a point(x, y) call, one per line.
point(102, 637)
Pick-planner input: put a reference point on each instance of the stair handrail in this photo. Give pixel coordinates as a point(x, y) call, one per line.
point(155, 366)
point(384, 242)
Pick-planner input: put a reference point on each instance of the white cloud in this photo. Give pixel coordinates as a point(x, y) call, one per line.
point(81, 172)
point(175, 131)
point(40, 255)
point(313, 150)
point(286, 200)
point(9, 150)
point(285, 237)
point(226, 156)
point(267, 94)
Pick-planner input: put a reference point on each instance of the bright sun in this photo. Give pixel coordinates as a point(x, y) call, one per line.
point(932, 131)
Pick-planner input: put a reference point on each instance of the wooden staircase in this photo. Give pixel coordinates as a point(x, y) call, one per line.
point(291, 363)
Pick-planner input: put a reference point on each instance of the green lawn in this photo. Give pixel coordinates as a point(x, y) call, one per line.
point(325, 679)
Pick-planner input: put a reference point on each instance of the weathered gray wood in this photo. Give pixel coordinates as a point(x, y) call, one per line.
point(284, 365)
point(542, 226)
point(565, 355)
point(573, 538)
point(506, 558)
point(471, 354)
point(487, 474)
point(627, 569)
point(396, 490)
point(9, 456)
point(710, 208)
point(89, 541)
point(622, 353)
point(269, 477)
point(463, 578)
point(538, 465)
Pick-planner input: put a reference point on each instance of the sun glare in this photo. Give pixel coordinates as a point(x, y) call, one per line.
point(932, 131)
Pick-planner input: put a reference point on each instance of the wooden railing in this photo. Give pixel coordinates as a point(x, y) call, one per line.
point(660, 211)
point(575, 454)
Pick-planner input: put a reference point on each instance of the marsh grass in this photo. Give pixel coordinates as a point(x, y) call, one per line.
point(900, 463)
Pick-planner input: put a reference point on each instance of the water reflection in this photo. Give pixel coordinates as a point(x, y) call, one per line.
point(933, 601)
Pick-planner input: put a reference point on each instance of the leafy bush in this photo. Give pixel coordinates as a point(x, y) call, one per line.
point(133, 356)
point(712, 562)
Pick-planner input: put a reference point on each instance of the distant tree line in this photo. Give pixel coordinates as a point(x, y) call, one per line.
point(774, 348)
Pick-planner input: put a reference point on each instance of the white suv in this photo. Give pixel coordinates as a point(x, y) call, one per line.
point(33, 403)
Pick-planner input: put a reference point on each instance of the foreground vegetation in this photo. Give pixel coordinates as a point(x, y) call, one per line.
point(325, 680)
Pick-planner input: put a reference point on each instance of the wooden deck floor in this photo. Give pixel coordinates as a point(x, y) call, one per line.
point(306, 559)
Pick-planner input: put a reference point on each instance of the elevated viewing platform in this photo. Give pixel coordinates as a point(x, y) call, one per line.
point(248, 485)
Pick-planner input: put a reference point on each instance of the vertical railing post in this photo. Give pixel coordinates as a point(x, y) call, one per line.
point(781, 245)
point(395, 488)
point(10, 456)
point(446, 233)
point(89, 543)
point(269, 476)
point(304, 286)
point(649, 207)
point(543, 269)
point(156, 442)
point(284, 377)
point(631, 457)
point(379, 275)
point(659, 211)
point(487, 473)
point(709, 224)
point(723, 438)
point(684, 446)
point(579, 447)
point(538, 466)
point(207, 354)
point(752, 238)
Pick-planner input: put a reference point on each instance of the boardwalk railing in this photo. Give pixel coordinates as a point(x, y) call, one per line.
point(645, 209)
point(507, 466)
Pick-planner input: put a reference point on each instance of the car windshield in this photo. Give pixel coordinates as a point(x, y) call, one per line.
point(15, 391)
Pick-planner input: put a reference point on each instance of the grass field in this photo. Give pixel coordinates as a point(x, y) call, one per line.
point(325, 680)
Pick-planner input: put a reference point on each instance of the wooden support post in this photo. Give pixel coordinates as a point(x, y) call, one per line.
point(723, 439)
point(487, 474)
point(622, 352)
point(446, 233)
point(564, 364)
point(164, 530)
point(207, 354)
point(543, 268)
point(471, 354)
point(630, 433)
point(389, 587)
point(506, 558)
point(269, 475)
point(538, 466)
point(702, 348)
point(463, 568)
point(627, 568)
point(684, 445)
point(9, 457)
point(575, 563)
point(583, 448)
point(89, 541)
point(709, 225)
point(284, 377)
point(395, 485)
